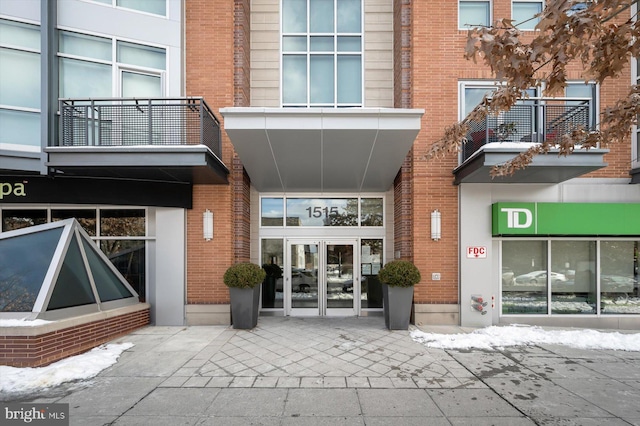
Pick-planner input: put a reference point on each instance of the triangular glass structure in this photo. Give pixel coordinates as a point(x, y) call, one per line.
point(56, 271)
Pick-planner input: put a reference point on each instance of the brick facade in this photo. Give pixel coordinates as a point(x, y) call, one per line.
point(34, 347)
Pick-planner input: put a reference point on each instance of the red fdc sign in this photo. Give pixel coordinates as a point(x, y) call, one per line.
point(476, 252)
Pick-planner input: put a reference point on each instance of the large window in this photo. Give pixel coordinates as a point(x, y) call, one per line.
point(88, 67)
point(19, 86)
point(120, 233)
point(156, 7)
point(322, 53)
point(322, 212)
point(523, 13)
point(473, 14)
point(583, 277)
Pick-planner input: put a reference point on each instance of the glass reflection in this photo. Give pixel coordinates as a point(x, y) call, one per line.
point(573, 278)
point(272, 263)
point(322, 212)
point(272, 212)
point(122, 223)
point(24, 262)
point(524, 277)
point(371, 211)
point(349, 16)
point(340, 284)
point(128, 256)
point(85, 217)
point(619, 292)
point(18, 219)
point(304, 276)
point(371, 261)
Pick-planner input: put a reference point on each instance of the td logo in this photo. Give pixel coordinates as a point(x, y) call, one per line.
point(518, 217)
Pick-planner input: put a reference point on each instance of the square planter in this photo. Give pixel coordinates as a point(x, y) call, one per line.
point(244, 307)
point(397, 306)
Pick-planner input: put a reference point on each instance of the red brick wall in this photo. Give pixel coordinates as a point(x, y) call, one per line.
point(437, 65)
point(217, 68)
point(36, 351)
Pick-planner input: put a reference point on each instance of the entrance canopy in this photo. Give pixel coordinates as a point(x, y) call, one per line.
point(322, 149)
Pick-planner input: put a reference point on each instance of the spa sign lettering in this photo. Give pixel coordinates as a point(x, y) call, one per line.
point(17, 189)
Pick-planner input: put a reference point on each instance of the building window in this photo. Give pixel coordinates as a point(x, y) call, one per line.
point(87, 67)
point(322, 53)
point(156, 7)
point(120, 233)
point(322, 212)
point(523, 13)
point(473, 14)
point(584, 277)
point(19, 86)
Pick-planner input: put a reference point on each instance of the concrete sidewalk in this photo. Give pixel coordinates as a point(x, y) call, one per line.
point(347, 371)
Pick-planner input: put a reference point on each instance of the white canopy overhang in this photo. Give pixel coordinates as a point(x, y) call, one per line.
point(322, 149)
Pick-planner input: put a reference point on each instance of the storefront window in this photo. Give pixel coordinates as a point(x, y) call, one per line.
point(128, 256)
point(17, 219)
point(272, 262)
point(371, 261)
point(524, 277)
point(573, 277)
point(117, 223)
point(117, 226)
point(619, 292)
point(86, 218)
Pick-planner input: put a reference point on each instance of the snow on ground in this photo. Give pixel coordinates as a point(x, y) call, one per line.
point(518, 335)
point(22, 322)
point(79, 367)
point(89, 364)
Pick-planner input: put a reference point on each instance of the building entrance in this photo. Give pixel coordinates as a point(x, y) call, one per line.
point(322, 278)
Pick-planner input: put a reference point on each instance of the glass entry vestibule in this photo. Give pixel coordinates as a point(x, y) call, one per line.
point(322, 255)
point(322, 278)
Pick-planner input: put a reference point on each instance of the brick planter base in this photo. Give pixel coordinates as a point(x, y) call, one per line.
point(41, 345)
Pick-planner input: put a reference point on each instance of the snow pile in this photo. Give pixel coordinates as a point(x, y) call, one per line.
point(22, 322)
point(516, 335)
point(80, 367)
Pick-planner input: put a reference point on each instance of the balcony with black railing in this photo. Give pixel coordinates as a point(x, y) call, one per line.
point(172, 139)
point(500, 137)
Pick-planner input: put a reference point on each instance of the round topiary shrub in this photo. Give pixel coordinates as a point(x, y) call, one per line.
point(399, 273)
point(243, 275)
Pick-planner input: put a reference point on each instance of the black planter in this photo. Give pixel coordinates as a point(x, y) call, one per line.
point(244, 307)
point(397, 306)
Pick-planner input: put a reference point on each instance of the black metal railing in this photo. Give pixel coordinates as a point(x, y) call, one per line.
point(137, 122)
point(534, 120)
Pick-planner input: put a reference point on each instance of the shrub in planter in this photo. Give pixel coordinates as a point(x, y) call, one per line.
point(243, 280)
point(398, 278)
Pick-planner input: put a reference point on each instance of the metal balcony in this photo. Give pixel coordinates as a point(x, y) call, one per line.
point(499, 138)
point(172, 139)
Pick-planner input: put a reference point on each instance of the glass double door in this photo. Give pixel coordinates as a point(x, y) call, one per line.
point(322, 278)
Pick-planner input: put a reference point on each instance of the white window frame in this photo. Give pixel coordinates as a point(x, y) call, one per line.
point(117, 67)
point(308, 53)
point(513, 3)
point(12, 146)
point(114, 4)
point(467, 28)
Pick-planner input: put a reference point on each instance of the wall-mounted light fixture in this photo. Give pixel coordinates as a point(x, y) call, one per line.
point(207, 225)
point(436, 227)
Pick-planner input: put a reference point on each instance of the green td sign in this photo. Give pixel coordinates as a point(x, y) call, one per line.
point(587, 219)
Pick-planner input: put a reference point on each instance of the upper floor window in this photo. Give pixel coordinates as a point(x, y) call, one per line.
point(322, 53)
point(156, 7)
point(474, 14)
point(19, 85)
point(87, 67)
point(524, 13)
